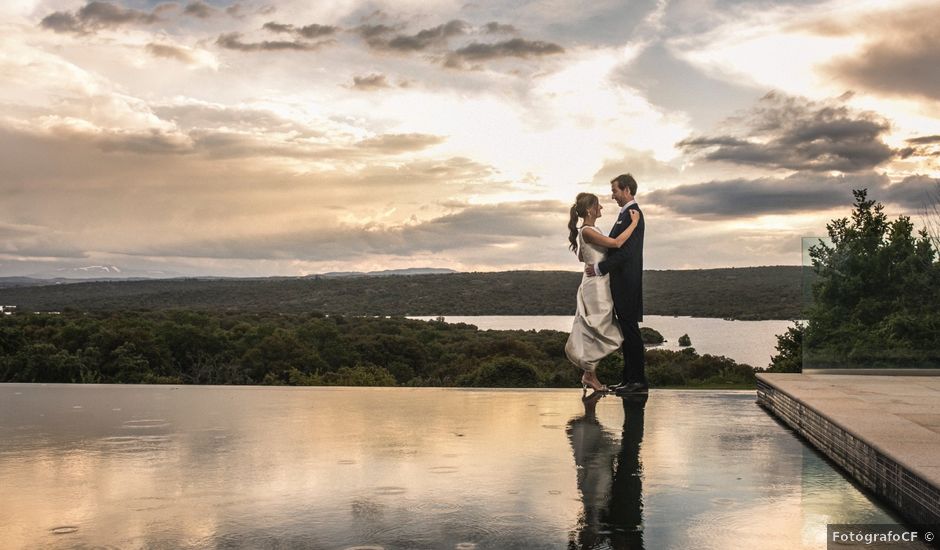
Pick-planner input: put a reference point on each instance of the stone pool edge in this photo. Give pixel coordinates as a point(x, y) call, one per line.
point(911, 494)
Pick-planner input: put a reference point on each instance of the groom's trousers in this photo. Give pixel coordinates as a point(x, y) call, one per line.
point(634, 362)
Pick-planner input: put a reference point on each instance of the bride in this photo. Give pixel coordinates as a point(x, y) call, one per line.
point(595, 333)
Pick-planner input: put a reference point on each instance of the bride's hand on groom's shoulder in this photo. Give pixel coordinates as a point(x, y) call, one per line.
point(589, 269)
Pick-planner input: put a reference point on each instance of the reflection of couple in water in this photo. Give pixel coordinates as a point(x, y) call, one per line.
point(610, 298)
point(609, 479)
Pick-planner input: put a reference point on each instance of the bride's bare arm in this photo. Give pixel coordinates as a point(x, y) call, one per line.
point(598, 238)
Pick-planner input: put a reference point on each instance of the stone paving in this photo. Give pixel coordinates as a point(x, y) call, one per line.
point(883, 430)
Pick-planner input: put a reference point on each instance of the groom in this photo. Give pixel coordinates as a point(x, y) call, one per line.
point(625, 265)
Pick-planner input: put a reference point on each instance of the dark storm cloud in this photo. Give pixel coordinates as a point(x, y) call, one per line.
point(308, 31)
point(801, 193)
point(798, 134)
point(516, 47)
point(233, 41)
point(370, 82)
point(96, 15)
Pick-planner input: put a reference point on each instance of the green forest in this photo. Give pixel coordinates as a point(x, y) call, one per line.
point(742, 293)
point(187, 347)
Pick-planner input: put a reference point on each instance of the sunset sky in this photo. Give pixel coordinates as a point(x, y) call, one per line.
point(261, 137)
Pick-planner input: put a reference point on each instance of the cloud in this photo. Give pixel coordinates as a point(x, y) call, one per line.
point(516, 47)
point(499, 28)
point(913, 192)
point(31, 241)
point(169, 205)
point(900, 52)
point(236, 11)
point(154, 142)
point(800, 193)
point(96, 15)
point(210, 116)
point(168, 51)
point(200, 10)
point(374, 33)
point(62, 22)
point(376, 36)
point(922, 147)
point(641, 164)
point(308, 31)
point(371, 82)
point(232, 134)
point(798, 134)
point(473, 227)
point(233, 41)
point(665, 80)
point(274, 26)
point(924, 140)
point(400, 143)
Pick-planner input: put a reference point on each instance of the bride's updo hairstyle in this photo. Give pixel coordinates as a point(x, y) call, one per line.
point(579, 209)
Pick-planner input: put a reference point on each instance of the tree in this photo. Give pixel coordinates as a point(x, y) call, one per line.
point(789, 356)
point(876, 297)
point(932, 216)
point(504, 372)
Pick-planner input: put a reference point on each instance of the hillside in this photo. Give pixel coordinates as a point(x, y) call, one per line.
point(740, 293)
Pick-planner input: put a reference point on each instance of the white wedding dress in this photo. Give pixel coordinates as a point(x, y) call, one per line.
point(595, 333)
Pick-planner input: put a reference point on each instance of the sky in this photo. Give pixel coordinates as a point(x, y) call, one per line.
point(287, 138)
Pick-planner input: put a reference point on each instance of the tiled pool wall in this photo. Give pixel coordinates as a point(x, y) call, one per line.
point(916, 499)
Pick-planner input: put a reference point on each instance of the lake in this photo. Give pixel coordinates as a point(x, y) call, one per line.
point(751, 342)
point(408, 468)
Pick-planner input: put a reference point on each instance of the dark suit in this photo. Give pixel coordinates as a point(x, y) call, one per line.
point(625, 266)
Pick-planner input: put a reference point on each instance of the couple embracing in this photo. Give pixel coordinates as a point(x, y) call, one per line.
point(610, 298)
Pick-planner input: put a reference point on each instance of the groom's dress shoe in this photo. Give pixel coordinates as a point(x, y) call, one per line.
point(631, 388)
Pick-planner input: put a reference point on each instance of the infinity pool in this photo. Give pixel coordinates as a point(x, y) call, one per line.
point(335, 468)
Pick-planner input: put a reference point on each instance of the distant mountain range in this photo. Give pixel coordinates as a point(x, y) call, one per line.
point(387, 272)
point(98, 272)
point(94, 273)
point(777, 292)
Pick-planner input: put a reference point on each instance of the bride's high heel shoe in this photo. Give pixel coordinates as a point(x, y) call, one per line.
point(585, 384)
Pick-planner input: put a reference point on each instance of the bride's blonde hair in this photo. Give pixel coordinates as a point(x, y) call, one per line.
point(579, 209)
